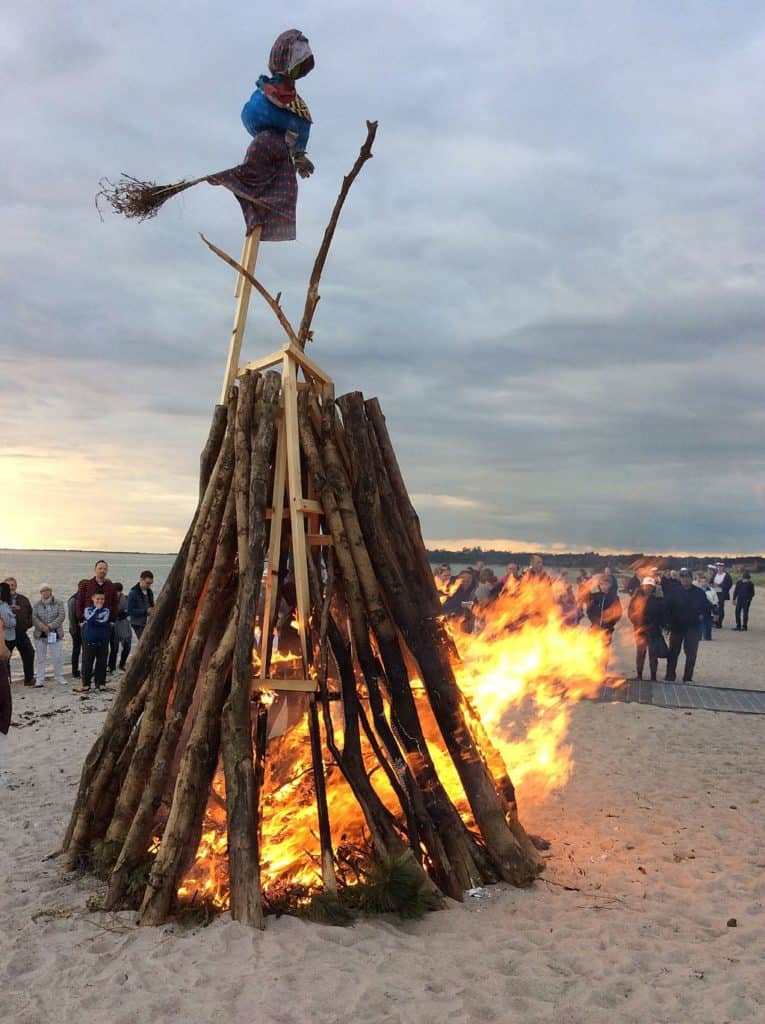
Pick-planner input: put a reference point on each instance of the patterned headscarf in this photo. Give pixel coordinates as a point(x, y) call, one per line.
point(289, 51)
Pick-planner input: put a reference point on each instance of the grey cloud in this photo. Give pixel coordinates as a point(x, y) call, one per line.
point(551, 273)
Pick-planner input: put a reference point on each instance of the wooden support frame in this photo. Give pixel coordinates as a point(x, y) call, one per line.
point(242, 292)
point(304, 512)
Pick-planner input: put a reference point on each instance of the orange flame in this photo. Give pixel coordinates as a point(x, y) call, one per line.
point(523, 662)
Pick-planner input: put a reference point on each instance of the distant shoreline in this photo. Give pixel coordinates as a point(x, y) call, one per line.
point(469, 555)
point(89, 551)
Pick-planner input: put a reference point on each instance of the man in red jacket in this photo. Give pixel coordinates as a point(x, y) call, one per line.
point(97, 584)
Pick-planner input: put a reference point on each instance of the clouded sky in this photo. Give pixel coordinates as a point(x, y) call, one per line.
point(552, 273)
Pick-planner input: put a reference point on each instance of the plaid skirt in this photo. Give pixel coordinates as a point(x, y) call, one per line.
point(266, 186)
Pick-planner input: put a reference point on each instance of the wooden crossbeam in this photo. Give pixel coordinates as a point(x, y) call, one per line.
point(290, 685)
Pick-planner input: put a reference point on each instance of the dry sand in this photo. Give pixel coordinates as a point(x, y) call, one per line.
point(657, 842)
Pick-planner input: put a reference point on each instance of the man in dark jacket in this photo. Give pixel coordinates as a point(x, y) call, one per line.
point(604, 609)
point(646, 613)
point(74, 631)
point(97, 584)
point(743, 594)
point(140, 602)
point(22, 609)
point(685, 606)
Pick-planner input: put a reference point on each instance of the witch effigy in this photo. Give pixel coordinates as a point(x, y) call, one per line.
point(265, 183)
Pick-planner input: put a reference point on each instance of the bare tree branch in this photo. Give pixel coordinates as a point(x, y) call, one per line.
point(312, 298)
point(272, 302)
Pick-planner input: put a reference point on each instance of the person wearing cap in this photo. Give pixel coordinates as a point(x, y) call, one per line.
point(48, 616)
point(646, 613)
point(722, 582)
point(686, 606)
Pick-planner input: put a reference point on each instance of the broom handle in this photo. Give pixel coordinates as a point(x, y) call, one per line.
point(242, 295)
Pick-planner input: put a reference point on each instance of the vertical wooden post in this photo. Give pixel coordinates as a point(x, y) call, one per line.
point(274, 546)
point(242, 295)
point(295, 491)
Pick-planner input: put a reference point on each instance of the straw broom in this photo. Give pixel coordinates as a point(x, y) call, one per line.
point(139, 200)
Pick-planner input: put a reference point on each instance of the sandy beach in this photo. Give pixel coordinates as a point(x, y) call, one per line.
point(657, 846)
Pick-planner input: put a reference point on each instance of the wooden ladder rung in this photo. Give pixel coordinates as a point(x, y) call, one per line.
point(290, 685)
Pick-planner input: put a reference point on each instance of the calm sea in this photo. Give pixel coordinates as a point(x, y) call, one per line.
point(64, 569)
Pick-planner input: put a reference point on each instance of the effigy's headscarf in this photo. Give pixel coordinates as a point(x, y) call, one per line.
point(290, 59)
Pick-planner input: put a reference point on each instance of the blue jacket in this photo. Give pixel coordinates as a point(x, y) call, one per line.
point(138, 604)
point(259, 113)
point(96, 629)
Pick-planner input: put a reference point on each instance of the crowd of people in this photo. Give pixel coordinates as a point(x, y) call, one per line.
point(659, 602)
point(101, 620)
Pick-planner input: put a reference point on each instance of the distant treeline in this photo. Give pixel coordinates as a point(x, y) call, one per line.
point(592, 559)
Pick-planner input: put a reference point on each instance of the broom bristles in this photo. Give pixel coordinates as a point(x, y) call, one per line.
point(138, 200)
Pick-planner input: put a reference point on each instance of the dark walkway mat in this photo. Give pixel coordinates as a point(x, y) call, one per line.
point(685, 695)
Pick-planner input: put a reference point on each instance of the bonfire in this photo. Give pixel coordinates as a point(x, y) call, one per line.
point(299, 727)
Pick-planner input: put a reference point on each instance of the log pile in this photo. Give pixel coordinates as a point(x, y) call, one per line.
point(194, 698)
point(191, 694)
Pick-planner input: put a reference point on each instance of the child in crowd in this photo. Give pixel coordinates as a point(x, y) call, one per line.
point(275, 104)
point(96, 631)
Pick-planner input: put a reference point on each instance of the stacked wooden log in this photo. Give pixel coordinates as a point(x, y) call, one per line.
point(191, 697)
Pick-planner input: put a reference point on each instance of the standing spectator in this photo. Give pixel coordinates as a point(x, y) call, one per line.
point(48, 618)
point(632, 585)
point(22, 609)
point(96, 631)
point(121, 635)
point(743, 595)
point(604, 609)
point(7, 616)
point(709, 619)
point(486, 588)
point(646, 613)
point(6, 700)
point(140, 602)
point(686, 606)
point(511, 577)
point(565, 598)
point(458, 606)
point(536, 570)
point(722, 582)
point(74, 631)
point(97, 584)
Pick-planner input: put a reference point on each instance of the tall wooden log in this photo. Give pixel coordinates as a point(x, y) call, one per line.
point(192, 788)
point(90, 805)
point(216, 611)
point(362, 521)
point(385, 838)
point(515, 861)
point(201, 557)
point(241, 790)
point(407, 509)
point(212, 447)
point(437, 822)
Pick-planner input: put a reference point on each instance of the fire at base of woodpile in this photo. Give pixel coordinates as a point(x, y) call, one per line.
point(298, 728)
point(314, 737)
